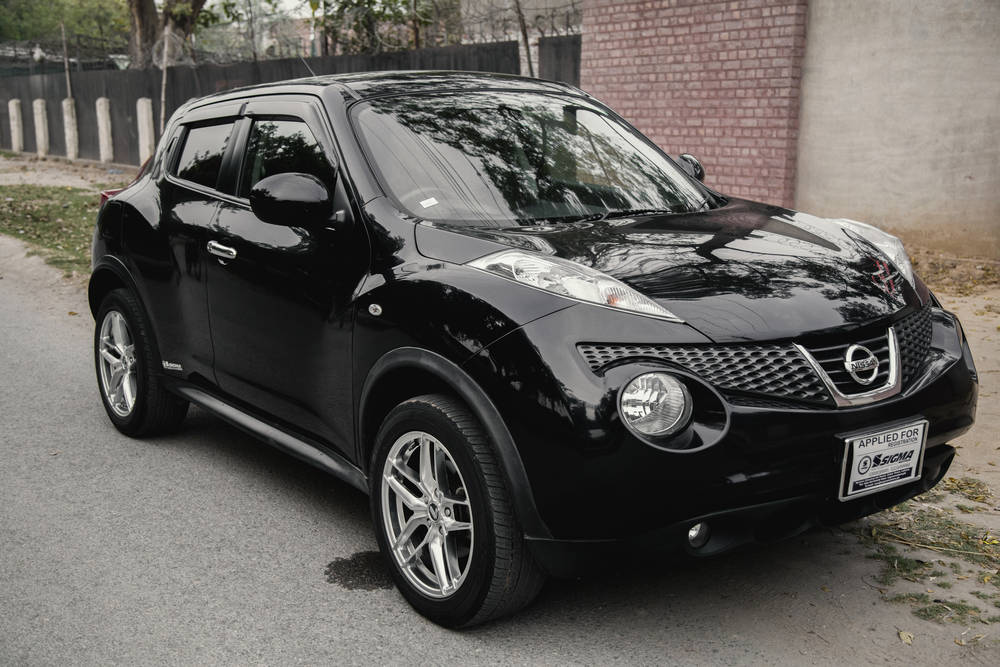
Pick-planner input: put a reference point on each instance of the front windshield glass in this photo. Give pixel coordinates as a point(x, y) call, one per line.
point(502, 159)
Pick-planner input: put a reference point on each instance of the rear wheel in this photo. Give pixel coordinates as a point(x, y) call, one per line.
point(125, 359)
point(443, 516)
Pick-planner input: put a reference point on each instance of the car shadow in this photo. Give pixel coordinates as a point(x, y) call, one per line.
point(779, 580)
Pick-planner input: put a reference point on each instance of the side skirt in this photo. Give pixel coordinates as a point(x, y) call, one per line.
point(331, 462)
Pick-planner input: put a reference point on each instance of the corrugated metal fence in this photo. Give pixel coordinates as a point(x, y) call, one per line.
point(124, 87)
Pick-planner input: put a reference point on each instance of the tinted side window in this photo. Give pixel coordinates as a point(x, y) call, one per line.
point(280, 146)
point(201, 156)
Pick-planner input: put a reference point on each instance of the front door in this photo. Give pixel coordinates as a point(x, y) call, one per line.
point(280, 306)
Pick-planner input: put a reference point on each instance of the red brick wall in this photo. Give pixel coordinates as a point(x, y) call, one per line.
point(719, 80)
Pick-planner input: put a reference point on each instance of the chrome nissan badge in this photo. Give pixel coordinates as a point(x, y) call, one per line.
point(858, 361)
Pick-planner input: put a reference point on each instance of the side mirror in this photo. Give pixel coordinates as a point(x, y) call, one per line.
point(291, 199)
point(692, 166)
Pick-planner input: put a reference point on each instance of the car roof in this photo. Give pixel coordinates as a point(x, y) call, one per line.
point(366, 85)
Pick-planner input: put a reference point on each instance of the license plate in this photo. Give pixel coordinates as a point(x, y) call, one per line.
point(881, 459)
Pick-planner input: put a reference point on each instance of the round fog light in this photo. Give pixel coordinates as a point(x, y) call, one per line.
point(698, 535)
point(655, 404)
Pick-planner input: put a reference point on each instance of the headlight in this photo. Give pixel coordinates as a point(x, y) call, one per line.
point(655, 404)
point(891, 246)
point(570, 279)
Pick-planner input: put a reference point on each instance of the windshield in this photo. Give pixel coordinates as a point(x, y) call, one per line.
point(502, 159)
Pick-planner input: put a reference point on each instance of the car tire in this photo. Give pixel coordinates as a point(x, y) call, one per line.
point(126, 361)
point(489, 571)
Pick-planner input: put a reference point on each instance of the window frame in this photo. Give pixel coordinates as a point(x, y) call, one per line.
point(181, 142)
point(303, 108)
point(240, 165)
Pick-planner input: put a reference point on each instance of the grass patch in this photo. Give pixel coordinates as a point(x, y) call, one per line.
point(58, 220)
point(897, 566)
point(992, 598)
point(8, 154)
point(911, 598)
point(969, 487)
point(950, 610)
point(939, 611)
point(937, 530)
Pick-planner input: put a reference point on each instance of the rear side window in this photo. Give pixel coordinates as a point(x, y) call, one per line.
point(201, 156)
point(279, 146)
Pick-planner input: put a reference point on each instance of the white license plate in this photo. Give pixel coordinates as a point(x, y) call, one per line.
point(879, 460)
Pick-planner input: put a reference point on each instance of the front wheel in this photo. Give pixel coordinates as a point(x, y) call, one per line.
point(443, 516)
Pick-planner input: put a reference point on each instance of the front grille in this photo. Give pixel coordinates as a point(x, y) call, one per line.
point(773, 370)
point(831, 359)
point(913, 333)
point(781, 371)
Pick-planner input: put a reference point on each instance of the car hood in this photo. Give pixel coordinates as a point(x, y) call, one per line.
point(741, 272)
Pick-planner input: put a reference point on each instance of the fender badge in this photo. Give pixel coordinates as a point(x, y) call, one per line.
point(171, 366)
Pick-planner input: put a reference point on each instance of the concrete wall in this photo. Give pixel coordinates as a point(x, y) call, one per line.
point(900, 118)
point(716, 79)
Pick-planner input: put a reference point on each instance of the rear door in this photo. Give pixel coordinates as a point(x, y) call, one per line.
point(280, 296)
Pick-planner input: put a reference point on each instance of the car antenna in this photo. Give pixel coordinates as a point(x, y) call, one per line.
point(307, 66)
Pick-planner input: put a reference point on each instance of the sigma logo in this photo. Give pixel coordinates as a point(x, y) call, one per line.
point(171, 366)
point(868, 462)
point(884, 276)
point(861, 363)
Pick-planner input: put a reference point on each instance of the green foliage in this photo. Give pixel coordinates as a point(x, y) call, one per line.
point(28, 20)
point(359, 26)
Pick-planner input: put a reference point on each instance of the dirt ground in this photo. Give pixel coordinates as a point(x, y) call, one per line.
point(967, 286)
point(21, 170)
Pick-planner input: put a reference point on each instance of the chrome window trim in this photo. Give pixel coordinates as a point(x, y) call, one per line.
point(893, 385)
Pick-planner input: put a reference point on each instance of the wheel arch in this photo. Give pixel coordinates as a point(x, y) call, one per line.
point(392, 379)
point(109, 273)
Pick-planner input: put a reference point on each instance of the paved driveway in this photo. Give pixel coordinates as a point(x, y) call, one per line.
point(208, 547)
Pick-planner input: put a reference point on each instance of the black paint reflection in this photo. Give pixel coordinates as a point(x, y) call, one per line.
point(744, 271)
point(499, 159)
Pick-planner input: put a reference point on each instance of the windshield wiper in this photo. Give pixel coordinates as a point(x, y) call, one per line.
point(624, 213)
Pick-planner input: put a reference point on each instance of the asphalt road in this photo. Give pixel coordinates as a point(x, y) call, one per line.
point(208, 547)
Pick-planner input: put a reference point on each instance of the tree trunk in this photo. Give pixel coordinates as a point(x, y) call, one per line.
point(147, 27)
point(182, 15)
point(142, 37)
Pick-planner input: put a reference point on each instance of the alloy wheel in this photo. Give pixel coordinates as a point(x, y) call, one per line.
point(427, 514)
point(117, 363)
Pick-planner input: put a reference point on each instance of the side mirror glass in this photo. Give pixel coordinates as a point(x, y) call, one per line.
point(291, 199)
point(692, 166)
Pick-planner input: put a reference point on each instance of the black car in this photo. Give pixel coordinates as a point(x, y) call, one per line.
point(532, 337)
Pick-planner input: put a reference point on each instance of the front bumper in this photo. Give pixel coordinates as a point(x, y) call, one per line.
point(734, 528)
point(768, 470)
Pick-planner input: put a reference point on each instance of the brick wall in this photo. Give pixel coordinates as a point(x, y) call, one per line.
point(719, 80)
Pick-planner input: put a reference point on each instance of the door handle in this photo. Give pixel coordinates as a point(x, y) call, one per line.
point(219, 250)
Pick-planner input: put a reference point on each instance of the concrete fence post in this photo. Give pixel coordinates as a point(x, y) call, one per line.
point(107, 150)
point(144, 117)
point(16, 126)
point(70, 129)
point(41, 128)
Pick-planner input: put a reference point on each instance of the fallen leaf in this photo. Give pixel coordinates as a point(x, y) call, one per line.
point(825, 589)
point(960, 642)
point(906, 637)
point(73, 312)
